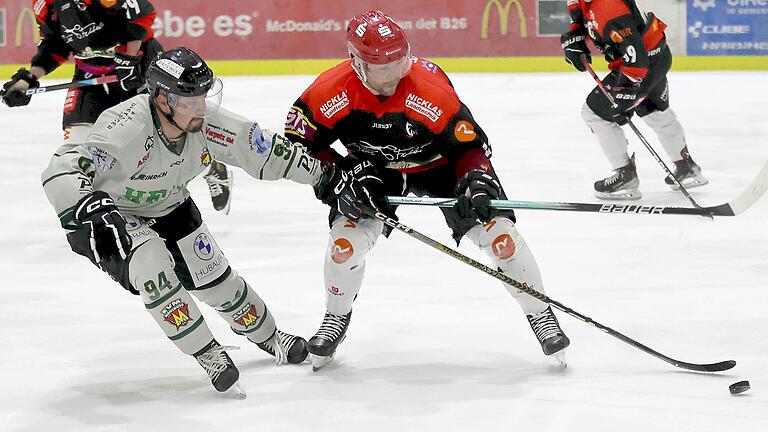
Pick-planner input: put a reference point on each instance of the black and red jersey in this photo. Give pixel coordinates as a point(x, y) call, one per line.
point(89, 29)
point(626, 36)
point(422, 125)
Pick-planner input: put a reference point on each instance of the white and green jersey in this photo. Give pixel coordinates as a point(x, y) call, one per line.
point(128, 156)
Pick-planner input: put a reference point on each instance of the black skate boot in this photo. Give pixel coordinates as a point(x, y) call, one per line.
point(322, 346)
point(285, 347)
point(687, 172)
point(220, 368)
point(622, 185)
point(219, 179)
point(551, 337)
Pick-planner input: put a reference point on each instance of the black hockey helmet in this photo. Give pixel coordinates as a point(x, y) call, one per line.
point(179, 71)
point(183, 75)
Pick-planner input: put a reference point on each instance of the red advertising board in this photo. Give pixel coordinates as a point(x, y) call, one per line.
point(314, 29)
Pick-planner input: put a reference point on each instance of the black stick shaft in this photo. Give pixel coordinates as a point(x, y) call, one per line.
point(712, 367)
point(74, 84)
point(720, 210)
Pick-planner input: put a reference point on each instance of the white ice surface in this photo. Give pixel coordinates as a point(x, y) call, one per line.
point(434, 344)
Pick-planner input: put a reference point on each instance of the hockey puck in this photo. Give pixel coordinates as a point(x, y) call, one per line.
point(739, 387)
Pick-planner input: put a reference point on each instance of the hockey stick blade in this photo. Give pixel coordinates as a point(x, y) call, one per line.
point(709, 367)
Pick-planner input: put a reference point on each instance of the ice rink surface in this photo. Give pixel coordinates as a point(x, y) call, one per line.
point(433, 344)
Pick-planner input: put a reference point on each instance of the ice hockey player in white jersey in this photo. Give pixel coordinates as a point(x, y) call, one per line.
point(121, 195)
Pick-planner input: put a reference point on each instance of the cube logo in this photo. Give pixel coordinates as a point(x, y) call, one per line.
point(698, 28)
point(704, 4)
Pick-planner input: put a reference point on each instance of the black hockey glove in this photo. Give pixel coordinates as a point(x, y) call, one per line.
point(351, 189)
point(373, 192)
point(474, 192)
point(574, 44)
point(17, 97)
point(97, 214)
point(128, 71)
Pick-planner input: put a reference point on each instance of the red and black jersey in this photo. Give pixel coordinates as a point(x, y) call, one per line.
point(89, 29)
point(421, 126)
point(617, 27)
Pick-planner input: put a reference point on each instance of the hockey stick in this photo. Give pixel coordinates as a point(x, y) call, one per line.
point(710, 367)
point(74, 84)
point(634, 128)
point(734, 207)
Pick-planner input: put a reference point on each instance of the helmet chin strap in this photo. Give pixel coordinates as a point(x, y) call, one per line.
point(169, 116)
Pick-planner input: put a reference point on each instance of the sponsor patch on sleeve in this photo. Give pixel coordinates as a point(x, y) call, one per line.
point(464, 131)
point(102, 160)
point(257, 140)
point(298, 124)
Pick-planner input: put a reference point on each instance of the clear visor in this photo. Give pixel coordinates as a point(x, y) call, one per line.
point(382, 78)
point(198, 106)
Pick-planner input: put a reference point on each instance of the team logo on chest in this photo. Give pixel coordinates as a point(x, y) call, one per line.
point(205, 157)
point(79, 32)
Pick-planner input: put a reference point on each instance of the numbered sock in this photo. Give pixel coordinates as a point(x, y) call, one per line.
point(169, 304)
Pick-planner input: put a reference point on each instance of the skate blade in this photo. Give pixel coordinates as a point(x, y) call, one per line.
point(622, 195)
point(319, 361)
point(559, 357)
point(236, 391)
point(691, 183)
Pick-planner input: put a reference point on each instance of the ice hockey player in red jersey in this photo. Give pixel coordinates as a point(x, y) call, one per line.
point(405, 130)
point(105, 37)
point(635, 45)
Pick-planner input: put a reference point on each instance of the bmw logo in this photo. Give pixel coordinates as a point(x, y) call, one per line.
point(203, 247)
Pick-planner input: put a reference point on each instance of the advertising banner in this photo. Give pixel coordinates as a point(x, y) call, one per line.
point(727, 27)
point(312, 29)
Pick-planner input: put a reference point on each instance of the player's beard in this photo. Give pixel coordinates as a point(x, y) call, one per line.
point(195, 125)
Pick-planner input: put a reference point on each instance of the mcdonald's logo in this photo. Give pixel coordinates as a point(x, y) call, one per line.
point(26, 12)
point(503, 17)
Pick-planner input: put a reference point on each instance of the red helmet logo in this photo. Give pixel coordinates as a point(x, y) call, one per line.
point(376, 38)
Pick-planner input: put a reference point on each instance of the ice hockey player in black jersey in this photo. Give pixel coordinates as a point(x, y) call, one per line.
point(105, 37)
point(635, 46)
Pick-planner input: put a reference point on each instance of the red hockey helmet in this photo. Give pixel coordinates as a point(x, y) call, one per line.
point(380, 52)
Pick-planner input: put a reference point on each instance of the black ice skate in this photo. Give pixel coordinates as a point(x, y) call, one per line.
point(622, 185)
point(551, 337)
point(322, 346)
point(219, 179)
point(688, 173)
point(220, 368)
point(286, 348)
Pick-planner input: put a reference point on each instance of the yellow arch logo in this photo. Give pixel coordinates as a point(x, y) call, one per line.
point(26, 12)
point(503, 17)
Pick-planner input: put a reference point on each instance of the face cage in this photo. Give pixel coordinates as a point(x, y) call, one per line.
point(370, 73)
point(198, 106)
